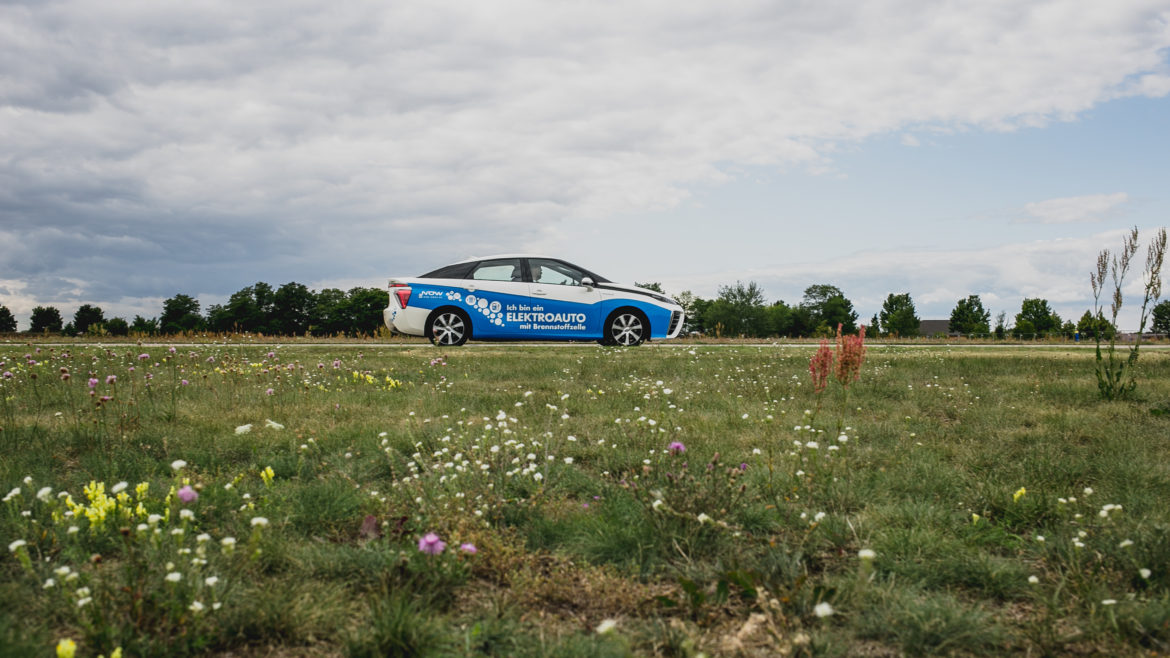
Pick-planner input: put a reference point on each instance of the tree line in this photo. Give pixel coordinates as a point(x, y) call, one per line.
point(738, 310)
point(290, 310)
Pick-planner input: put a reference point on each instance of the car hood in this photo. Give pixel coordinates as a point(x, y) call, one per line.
point(635, 289)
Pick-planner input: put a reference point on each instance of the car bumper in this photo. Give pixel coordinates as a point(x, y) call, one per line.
point(410, 321)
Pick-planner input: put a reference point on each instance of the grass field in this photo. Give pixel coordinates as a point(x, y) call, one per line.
point(507, 500)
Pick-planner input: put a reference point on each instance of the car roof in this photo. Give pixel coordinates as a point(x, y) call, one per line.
point(497, 256)
point(477, 259)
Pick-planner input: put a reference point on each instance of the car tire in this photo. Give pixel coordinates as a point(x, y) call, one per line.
point(449, 327)
point(626, 327)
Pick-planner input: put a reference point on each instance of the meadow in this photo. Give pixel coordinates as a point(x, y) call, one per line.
point(673, 499)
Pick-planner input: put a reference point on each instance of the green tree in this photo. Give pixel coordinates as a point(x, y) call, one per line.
point(827, 307)
point(686, 299)
point(247, 310)
point(86, 316)
point(778, 319)
point(738, 311)
point(837, 311)
point(144, 326)
point(698, 316)
point(898, 316)
point(1090, 327)
point(1161, 318)
point(117, 327)
point(218, 319)
point(817, 294)
point(1000, 325)
point(330, 313)
point(802, 321)
point(45, 319)
point(180, 313)
point(655, 286)
point(1036, 317)
point(969, 317)
point(7, 320)
point(292, 309)
point(365, 310)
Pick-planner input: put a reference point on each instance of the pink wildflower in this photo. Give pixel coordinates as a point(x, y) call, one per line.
point(93, 382)
point(468, 547)
point(676, 448)
point(188, 495)
point(431, 544)
point(110, 379)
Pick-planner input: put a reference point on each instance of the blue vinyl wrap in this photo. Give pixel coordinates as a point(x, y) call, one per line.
point(498, 315)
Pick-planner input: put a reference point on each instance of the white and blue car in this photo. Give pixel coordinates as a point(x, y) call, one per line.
point(522, 297)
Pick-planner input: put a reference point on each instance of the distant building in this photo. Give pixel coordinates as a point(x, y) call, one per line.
point(929, 328)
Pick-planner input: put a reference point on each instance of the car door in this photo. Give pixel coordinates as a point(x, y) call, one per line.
point(561, 306)
point(491, 288)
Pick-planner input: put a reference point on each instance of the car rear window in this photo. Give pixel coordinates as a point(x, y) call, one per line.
point(456, 271)
point(504, 269)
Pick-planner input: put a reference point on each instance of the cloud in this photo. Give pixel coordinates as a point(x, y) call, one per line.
point(1092, 208)
point(151, 149)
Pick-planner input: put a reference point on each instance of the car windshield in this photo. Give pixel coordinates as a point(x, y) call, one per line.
point(554, 272)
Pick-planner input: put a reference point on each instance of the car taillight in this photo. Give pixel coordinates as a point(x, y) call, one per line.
point(402, 292)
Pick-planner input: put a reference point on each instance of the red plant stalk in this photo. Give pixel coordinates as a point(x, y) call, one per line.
point(819, 366)
point(850, 356)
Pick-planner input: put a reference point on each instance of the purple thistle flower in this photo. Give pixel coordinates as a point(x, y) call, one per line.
point(184, 382)
point(93, 382)
point(110, 379)
point(431, 544)
point(270, 392)
point(676, 448)
point(188, 495)
point(143, 357)
point(468, 547)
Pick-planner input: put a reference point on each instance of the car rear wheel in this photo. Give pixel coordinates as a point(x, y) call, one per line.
point(626, 327)
point(448, 326)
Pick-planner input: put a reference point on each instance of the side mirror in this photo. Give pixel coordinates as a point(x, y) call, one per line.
point(587, 282)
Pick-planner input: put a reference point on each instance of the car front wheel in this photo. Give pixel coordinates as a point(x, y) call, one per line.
point(448, 327)
point(626, 327)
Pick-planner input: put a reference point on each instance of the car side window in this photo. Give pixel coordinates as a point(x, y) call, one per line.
point(504, 269)
point(554, 273)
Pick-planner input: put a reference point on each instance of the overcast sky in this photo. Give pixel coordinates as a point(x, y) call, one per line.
point(151, 147)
